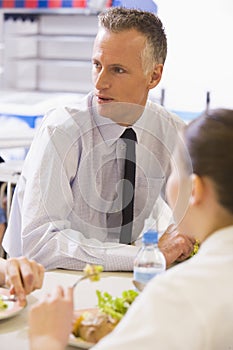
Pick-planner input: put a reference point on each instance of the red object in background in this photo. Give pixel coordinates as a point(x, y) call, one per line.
point(50, 3)
point(8, 3)
point(79, 3)
point(32, 4)
point(109, 3)
point(55, 3)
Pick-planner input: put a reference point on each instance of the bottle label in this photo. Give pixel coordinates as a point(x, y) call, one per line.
point(144, 275)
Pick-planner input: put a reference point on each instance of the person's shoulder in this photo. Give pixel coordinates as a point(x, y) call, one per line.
point(164, 114)
point(179, 277)
point(61, 113)
point(67, 116)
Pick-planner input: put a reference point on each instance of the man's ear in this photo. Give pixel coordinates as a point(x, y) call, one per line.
point(156, 76)
point(198, 190)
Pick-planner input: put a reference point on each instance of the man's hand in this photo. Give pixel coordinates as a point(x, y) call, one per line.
point(23, 276)
point(175, 246)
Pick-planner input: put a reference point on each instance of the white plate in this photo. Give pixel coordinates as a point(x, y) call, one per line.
point(79, 342)
point(13, 307)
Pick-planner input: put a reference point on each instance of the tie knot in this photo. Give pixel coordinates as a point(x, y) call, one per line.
point(129, 134)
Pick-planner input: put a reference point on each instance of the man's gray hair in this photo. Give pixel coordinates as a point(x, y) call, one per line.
point(118, 19)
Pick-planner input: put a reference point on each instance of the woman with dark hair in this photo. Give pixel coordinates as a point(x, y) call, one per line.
point(190, 306)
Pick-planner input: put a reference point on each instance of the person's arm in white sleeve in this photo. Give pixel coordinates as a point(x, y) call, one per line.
point(44, 200)
point(160, 218)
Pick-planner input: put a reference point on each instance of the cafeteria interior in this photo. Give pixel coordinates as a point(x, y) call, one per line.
point(45, 63)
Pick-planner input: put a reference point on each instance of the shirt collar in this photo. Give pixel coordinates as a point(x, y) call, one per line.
point(111, 131)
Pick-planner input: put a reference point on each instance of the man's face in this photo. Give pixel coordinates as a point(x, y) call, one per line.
point(117, 70)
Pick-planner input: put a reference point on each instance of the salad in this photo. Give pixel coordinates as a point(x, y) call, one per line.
point(116, 307)
point(93, 324)
point(3, 305)
point(93, 272)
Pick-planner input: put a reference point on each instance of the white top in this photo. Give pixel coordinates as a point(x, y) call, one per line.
point(69, 193)
point(190, 306)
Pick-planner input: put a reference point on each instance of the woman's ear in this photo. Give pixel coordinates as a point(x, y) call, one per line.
point(198, 190)
point(156, 76)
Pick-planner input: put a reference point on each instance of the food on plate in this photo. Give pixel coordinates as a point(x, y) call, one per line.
point(93, 272)
point(116, 307)
point(3, 305)
point(93, 324)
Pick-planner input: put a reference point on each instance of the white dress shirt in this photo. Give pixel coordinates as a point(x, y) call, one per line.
point(66, 209)
point(190, 306)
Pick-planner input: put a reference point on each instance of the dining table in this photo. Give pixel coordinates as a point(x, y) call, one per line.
point(14, 330)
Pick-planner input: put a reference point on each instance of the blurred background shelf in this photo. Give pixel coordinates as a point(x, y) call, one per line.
point(41, 45)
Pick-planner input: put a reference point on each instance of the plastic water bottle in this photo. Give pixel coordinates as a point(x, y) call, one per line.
point(149, 261)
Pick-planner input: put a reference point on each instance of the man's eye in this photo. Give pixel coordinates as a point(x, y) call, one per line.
point(96, 65)
point(119, 70)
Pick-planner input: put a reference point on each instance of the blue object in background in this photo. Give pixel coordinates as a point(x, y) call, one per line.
point(20, 3)
point(187, 116)
point(145, 5)
point(31, 120)
point(42, 3)
point(67, 3)
point(2, 216)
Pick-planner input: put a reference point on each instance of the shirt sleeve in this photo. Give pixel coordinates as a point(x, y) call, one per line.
point(160, 218)
point(41, 207)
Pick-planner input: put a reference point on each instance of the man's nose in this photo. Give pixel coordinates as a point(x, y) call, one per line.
point(102, 80)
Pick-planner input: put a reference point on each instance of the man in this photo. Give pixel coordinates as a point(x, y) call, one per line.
point(70, 199)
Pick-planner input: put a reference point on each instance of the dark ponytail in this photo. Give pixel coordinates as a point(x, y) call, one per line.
point(209, 140)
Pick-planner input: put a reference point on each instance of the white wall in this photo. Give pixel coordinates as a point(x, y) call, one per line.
point(200, 53)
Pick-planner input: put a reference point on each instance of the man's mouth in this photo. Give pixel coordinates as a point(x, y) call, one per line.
point(103, 99)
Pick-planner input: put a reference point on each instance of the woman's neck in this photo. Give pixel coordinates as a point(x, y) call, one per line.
point(219, 219)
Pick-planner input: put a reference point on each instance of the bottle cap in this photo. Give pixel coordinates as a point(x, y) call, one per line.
point(150, 237)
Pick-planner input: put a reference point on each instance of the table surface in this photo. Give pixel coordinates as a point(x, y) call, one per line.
point(14, 331)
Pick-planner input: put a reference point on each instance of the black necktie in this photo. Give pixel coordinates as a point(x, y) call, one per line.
point(130, 138)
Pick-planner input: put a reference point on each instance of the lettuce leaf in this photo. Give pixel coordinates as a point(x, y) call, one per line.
point(116, 307)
